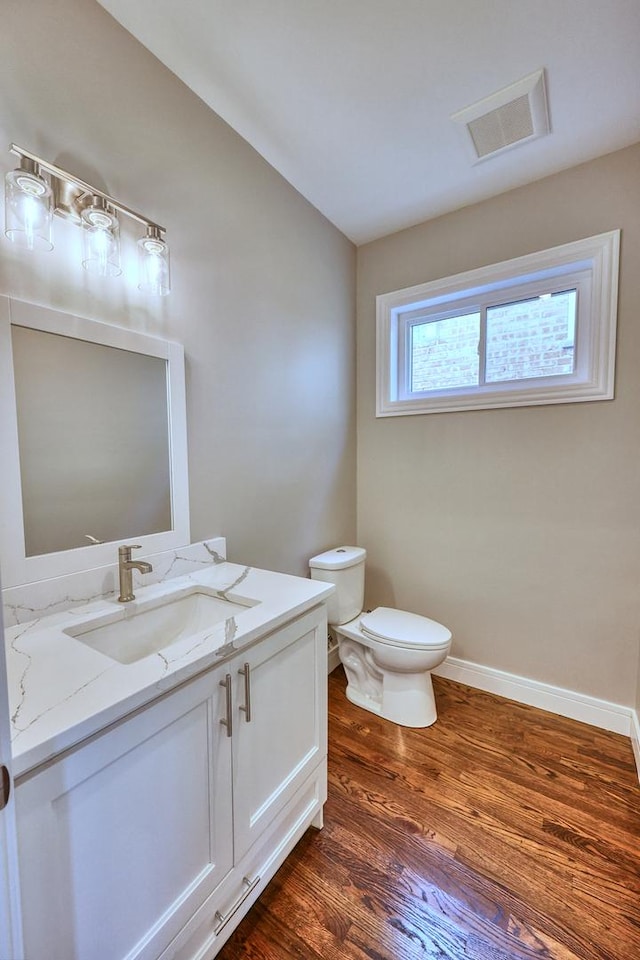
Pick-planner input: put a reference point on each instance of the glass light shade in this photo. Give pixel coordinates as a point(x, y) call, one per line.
point(153, 264)
point(100, 240)
point(28, 208)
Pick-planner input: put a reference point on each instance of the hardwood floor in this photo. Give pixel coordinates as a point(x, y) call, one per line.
point(500, 833)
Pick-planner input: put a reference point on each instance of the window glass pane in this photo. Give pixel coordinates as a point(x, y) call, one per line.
point(531, 338)
point(444, 353)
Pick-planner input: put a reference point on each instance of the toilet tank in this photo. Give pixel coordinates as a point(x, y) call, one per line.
point(343, 566)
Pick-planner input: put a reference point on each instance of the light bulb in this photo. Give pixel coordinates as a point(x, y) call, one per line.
point(28, 207)
point(100, 239)
point(153, 264)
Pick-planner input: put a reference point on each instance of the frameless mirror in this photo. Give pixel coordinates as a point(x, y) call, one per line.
point(93, 442)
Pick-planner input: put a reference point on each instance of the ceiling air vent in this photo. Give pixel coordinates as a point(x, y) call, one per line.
point(512, 116)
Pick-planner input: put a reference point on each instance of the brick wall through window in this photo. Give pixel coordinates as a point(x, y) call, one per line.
point(529, 338)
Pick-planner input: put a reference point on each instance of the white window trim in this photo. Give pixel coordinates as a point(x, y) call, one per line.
point(591, 263)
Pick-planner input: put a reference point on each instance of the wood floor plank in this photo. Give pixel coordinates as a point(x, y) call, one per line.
point(477, 899)
point(496, 856)
point(502, 832)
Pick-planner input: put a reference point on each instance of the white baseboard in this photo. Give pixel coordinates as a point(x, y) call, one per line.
point(333, 658)
point(635, 738)
point(566, 703)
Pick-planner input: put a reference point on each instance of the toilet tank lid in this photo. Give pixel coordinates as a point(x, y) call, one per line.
point(338, 558)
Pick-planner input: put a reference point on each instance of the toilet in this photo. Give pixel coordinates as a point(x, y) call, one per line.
point(387, 654)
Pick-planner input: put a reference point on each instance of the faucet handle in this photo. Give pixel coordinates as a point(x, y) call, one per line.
point(124, 551)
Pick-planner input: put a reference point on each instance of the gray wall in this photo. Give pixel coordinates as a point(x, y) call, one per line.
point(637, 703)
point(518, 528)
point(263, 286)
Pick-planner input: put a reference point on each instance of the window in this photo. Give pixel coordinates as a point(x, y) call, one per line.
point(538, 329)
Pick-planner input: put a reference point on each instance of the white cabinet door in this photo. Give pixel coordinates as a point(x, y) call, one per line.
point(284, 738)
point(121, 839)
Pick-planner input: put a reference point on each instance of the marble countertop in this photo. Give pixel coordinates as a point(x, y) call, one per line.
point(62, 691)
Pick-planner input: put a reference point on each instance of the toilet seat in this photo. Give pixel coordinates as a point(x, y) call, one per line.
point(398, 628)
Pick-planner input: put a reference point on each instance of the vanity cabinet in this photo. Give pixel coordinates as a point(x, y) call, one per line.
point(152, 838)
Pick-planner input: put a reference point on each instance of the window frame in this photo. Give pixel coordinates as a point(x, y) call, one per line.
point(589, 265)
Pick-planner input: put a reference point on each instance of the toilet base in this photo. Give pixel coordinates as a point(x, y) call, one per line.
point(403, 698)
point(407, 699)
point(413, 708)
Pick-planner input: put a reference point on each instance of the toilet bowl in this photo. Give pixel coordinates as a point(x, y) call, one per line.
point(387, 654)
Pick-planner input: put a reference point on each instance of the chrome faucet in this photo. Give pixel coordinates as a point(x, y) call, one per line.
point(126, 565)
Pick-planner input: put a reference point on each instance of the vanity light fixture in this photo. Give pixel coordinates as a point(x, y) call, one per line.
point(31, 200)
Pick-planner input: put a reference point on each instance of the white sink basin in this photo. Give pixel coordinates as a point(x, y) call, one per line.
point(137, 633)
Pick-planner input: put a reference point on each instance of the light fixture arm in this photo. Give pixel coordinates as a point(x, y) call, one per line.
point(86, 188)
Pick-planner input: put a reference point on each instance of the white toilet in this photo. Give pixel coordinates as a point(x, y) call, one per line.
point(387, 654)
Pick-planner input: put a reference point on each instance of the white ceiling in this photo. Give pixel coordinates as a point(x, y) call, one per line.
point(351, 99)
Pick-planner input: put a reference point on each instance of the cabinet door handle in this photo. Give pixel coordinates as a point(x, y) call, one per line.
point(5, 786)
point(246, 673)
point(222, 919)
point(228, 720)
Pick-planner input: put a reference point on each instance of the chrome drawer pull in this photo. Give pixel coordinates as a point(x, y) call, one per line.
point(223, 919)
point(228, 721)
point(5, 786)
point(246, 673)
